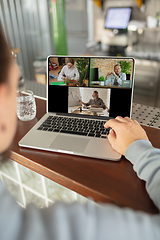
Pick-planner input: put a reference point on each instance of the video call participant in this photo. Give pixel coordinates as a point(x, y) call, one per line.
point(69, 72)
point(63, 221)
point(95, 101)
point(115, 77)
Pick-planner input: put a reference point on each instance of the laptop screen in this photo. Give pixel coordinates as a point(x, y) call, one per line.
point(90, 86)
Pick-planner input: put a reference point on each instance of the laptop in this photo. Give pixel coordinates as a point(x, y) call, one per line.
point(79, 103)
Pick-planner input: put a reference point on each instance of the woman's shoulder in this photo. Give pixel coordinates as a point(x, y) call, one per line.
point(65, 66)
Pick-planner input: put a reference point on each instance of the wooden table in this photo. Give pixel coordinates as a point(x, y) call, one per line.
point(104, 181)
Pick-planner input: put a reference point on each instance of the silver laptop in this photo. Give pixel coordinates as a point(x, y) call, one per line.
point(82, 94)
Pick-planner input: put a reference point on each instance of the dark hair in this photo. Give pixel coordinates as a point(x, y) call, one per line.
point(5, 57)
point(5, 63)
point(96, 92)
point(70, 60)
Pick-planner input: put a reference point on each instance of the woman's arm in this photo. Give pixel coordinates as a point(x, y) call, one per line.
point(62, 72)
point(76, 74)
point(63, 221)
point(128, 138)
point(146, 163)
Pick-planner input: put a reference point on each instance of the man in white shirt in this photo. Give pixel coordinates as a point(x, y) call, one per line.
point(115, 77)
point(69, 71)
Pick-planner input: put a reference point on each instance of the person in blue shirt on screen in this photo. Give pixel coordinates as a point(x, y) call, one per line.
point(115, 77)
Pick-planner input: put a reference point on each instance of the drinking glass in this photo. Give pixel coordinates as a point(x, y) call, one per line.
point(26, 105)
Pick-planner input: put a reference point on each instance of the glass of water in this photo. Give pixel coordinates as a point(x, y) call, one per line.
point(26, 105)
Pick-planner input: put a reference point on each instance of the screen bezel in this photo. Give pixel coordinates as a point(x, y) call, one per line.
point(108, 57)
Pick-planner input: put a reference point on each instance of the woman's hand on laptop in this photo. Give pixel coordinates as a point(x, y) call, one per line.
point(124, 132)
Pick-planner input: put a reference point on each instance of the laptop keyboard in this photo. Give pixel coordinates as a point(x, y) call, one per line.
point(84, 127)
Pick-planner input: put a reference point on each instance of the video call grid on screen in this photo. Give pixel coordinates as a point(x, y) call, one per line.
point(89, 75)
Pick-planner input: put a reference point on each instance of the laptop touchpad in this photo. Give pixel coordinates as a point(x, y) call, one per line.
point(68, 143)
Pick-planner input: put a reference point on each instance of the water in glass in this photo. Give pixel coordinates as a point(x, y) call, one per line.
point(26, 106)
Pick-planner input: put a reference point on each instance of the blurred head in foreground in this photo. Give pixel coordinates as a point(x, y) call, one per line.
point(9, 75)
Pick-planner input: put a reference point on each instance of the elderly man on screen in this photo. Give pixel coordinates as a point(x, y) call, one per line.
point(95, 101)
point(115, 77)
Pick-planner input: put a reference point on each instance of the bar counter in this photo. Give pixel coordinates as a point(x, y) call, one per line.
point(103, 181)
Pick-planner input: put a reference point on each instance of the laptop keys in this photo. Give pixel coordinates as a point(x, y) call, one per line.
point(74, 132)
point(98, 135)
point(40, 128)
point(56, 130)
point(91, 134)
point(83, 127)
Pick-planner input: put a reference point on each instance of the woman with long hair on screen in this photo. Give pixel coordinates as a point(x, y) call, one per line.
point(63, 221)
